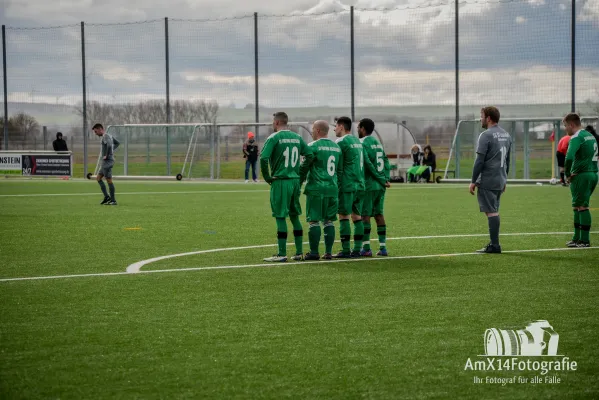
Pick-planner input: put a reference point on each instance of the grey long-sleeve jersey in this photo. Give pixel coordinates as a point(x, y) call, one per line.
point(109, 145)
point(493, 159)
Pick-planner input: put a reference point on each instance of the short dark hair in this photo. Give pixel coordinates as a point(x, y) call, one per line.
point(367, 124)
point(281, 116)
point(491, 112)
point(345, 121)
point(591, 129)
point(98, 126)
point(572, 118)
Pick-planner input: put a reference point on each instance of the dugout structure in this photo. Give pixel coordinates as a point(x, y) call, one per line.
point(532, 158)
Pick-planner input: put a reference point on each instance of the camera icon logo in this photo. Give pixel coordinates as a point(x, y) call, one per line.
point(537, 339)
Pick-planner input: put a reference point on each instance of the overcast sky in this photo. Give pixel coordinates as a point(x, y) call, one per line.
point(510, 52)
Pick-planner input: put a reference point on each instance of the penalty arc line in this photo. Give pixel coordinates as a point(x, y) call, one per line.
point(136, 267)
point(289, 264)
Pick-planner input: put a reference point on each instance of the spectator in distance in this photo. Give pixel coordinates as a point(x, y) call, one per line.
point(250, 153)
point(60, 144)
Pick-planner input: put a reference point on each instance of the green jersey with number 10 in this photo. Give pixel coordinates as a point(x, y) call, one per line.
point(377, 168)
point(282, 150)
point(321, 172)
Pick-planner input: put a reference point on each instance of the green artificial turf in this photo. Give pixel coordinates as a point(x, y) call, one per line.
point(376, 328)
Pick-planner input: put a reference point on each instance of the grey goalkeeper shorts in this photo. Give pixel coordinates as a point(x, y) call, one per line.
point(488, 200)
point(106, 169)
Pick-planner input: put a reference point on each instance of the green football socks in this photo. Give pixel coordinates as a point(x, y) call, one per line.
point(367, 227)
point(576, 236)
point(298, 234)
point(329, 237)
point(585, 225)
point(382, 233)
point(314, 237)
point(345, 235)
point(282, 236)
point(358, 235)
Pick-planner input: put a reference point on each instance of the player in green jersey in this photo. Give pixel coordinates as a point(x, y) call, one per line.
point(282, 151)
point(376, 175)
point(320, 174)
point(581, 172)
point(350, 176)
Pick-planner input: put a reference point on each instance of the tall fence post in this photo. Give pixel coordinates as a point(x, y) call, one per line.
point(5, 87)
point(168, 97)
point(352, 63)
point(257, 99)
point(457, 62)
point(84, 106)
point(573, 45)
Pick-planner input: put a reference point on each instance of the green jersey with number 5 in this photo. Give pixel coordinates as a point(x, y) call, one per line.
point(320, 173)
point(376, 164)
point(282, 150)
point(582, 154)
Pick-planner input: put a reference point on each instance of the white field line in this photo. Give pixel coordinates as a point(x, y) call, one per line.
point(136, 267)
point(98, 193)
point(293, 263)
point(132, 193)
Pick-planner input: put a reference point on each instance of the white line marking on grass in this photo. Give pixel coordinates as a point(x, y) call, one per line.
point(132, 193)
point(293, 263)
point(392, 189)
point(136, 267)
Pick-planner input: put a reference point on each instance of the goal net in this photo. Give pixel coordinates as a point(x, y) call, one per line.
point(532, 157)
point(184, 151)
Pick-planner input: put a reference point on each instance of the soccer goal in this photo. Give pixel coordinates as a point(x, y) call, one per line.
point(183, 151)
point(532, 157)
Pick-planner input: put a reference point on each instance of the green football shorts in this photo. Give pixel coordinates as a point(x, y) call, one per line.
point(582, 187)
point(374, 202)
point(320, 208)
point(285, 198)
point(351, 203)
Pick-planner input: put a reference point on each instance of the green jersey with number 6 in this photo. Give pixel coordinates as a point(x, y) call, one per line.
point(320, 173)
point(377, 168)
point(582, 154)
point(351, 168)
point(282, 150)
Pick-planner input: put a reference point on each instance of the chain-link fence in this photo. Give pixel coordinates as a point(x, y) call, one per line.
point(425, 67)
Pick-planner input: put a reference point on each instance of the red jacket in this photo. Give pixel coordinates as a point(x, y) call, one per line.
point(562, 146)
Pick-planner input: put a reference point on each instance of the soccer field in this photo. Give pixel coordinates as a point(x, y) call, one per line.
point(211, 320)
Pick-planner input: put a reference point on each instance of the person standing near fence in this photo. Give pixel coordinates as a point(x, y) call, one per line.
point(581, 172)
point(109, 145)
point(489, 174)
point(250, 153)
point(60, 144)
point(562, 149)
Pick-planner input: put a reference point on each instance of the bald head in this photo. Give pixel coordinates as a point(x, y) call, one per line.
point(320, 129)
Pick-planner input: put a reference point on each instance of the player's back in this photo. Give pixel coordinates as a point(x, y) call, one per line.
point(284, 148)
point(494, 145)
point(586, 157)
point(352, 177)
point(322, 177)
point(373, 149)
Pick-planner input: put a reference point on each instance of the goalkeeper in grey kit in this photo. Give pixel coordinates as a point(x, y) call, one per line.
point(109, 145)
